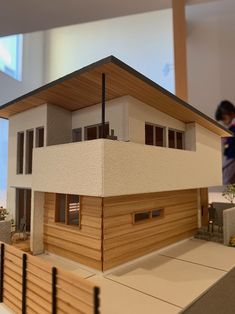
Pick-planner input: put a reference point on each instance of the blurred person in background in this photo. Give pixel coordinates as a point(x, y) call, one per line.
point(225, 113)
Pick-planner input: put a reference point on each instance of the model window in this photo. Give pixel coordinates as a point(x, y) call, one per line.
point(148, 215)
point(154, 135)
point(77, 135)
point(20, 153)
point(95, 131)
point(29, 152)
point(40, 137)
point(175, 139)
point(171, 139)
point(68, 209)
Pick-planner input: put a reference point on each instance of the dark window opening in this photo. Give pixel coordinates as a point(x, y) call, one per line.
point(159, 136)
point(149, 134)
point(94, 132)
point(29, 152)
point(154, 135)
point(20, 153)
point(68, 209)
point(171, 139)
point(148, 215)
point(40, 137)
point(179, 140)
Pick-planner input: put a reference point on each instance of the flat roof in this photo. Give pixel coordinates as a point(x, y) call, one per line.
point(83, 88)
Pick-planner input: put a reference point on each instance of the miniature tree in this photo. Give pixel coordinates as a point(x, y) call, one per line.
point(229, 193)
point(3, 213)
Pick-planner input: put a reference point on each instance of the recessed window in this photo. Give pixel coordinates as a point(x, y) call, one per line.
point(154, 135)
point(148, 215)
point(93, 132)
point(20, 153)
point(40, 137)
point(68, 209)
point(77, 135)
point(29, 152)
point(176, 139)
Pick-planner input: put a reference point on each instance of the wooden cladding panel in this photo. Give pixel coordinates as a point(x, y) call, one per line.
point(124, 241)
point(82, 245)
point(74, 294)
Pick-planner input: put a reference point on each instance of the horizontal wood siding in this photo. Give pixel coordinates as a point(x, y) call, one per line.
point(124, 241)
point(74, 294)
point(82, 245)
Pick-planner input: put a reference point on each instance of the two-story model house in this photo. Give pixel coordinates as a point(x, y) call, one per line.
point(106, 166)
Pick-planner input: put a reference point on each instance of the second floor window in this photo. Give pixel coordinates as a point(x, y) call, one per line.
point(20, 153)
point(94, 132)
point(176, 139)
point(29, 151)
point(154, 135)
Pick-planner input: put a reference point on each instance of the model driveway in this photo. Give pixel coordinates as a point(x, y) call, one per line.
point(163, 283)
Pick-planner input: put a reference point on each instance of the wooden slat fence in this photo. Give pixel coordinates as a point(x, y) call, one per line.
point(31, 285)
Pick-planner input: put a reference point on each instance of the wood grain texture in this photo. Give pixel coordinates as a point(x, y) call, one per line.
point(124, 241)
point(83, 88)
point(81, 245)
point(180, 52)
point(74, 294)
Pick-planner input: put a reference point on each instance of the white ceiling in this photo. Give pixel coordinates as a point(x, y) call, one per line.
point(26, 16)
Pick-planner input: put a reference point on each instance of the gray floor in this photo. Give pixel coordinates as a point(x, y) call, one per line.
point(220, 299)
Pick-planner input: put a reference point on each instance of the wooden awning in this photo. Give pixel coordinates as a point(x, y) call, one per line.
point(83, 88)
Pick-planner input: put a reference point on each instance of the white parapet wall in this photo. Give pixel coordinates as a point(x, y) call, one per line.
point(108, 168)
point(74, 168)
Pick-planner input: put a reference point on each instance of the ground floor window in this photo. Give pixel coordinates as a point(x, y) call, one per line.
point(68, 209)
point(147, 215)
point(23, 210)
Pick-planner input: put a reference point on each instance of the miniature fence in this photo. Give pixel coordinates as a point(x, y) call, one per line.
point(30, 285)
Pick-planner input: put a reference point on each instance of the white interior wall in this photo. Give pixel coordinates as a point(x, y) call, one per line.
point(211, 62)
point(144, 41)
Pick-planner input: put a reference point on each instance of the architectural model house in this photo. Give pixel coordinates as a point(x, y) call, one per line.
point(106, 166)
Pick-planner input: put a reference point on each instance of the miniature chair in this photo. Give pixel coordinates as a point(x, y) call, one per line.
point(21, 231)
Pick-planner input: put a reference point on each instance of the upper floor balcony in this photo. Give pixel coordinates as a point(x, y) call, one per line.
point(107, 168)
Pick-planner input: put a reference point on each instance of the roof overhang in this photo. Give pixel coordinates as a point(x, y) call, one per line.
point(83, 88)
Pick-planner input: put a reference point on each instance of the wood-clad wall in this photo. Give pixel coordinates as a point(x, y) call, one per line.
point(82, 245)
point(124, 241)
point(74, 294)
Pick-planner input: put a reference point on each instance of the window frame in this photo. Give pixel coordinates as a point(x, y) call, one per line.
point(150, 218)
point(175, 138)
point(28, 152)
point(37, 136)
point(154, 125)
point(19, 163)
point(97, 126)
point(66, 222)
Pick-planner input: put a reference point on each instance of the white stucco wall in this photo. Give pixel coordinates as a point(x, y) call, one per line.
point(131, 168)
point(75, 168)
point(109, 168)
point(116, 115)
point(59, 125)
point(30, 119)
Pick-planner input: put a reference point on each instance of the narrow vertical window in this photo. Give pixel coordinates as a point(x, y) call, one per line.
point(159, 136)
point(171, 138)
point(149, 135)
point(61, 208)
point(179, 140)
point(20, 153)
point(40, 137)
point(29, 152)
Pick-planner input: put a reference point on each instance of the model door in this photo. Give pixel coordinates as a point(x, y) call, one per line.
point(23, 208)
